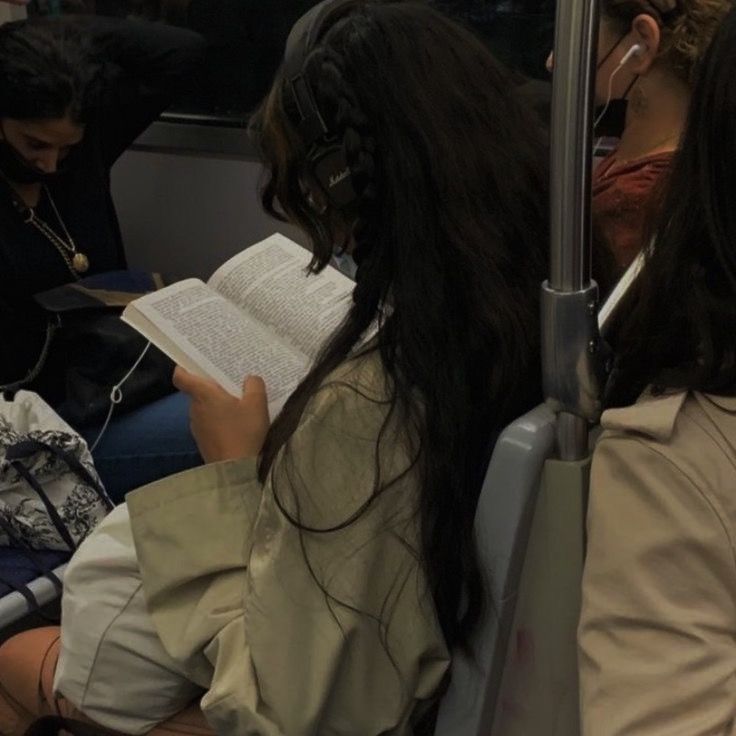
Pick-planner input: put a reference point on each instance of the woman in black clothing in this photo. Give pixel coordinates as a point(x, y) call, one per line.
point(74, 94)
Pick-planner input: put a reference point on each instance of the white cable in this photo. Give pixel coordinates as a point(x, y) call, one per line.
point(605, 107)
point(635, 50)
point(116, 396)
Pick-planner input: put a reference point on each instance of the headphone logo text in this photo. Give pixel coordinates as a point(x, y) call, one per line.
point(335, 179)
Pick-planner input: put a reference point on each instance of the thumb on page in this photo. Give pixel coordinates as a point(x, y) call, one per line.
point(255, 399)
point(253, 385)
point(257, 417)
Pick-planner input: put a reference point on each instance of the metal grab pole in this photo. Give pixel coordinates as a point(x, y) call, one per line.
point(571, 160)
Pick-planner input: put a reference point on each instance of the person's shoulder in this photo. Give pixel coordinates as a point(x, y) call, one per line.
point(356, 394)
point(689, 432)
point(364, 370)
point(652, 416)
point(662, 416)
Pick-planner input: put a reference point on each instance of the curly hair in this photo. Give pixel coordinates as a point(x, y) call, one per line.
point(687, 27)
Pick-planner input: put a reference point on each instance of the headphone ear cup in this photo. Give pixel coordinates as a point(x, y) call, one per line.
point(331, 171)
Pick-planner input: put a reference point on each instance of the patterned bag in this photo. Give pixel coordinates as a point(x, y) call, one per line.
point(51, 497)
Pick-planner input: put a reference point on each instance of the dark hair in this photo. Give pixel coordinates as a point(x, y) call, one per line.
point(451, 234)
point(46, 71)
point(680, 329)
point(687, 27)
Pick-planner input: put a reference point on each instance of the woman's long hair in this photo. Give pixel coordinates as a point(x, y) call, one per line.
point(680, 330)
point(450, 233)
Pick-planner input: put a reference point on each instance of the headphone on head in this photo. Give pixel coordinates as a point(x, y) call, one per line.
point(326, 163)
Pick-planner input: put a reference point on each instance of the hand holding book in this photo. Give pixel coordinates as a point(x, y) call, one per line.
point(259, 314)
point(226, 427)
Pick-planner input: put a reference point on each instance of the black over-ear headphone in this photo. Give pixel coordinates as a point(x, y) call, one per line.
point(326, 162)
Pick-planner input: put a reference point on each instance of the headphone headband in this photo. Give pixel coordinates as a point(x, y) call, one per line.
point(301, 41)
point(326, 160)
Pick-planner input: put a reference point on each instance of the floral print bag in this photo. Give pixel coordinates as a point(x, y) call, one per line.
point(51, 497)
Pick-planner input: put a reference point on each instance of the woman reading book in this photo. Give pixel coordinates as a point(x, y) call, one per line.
point(316, 574)
point(74, 94)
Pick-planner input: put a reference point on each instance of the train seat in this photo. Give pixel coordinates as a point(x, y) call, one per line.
point(23, 588)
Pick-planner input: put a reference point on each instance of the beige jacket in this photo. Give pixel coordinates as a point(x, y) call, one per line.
point(657, 635)
point(298, 632)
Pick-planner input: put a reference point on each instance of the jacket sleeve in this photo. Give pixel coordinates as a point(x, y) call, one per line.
point(335, 632)
point(656, 638)
point(146, 66)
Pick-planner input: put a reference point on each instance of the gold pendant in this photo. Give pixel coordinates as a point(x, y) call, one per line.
point(80, 262)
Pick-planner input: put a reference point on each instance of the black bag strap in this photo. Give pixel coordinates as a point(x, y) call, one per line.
point(11, 388)
point(24, 590)
point(21, 545)
point(56, 520)
point(33, 605)
point(28, 447)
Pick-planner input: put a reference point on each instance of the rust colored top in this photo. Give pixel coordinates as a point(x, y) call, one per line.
point(622, 202)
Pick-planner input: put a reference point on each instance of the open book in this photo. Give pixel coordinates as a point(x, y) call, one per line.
point(259, 314)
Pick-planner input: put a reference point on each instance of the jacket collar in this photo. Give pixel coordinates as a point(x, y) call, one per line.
point(653, 416)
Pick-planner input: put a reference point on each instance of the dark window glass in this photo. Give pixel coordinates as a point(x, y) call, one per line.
point(246, 40)
point(520, 32)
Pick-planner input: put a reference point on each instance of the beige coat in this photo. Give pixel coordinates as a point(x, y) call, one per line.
point(295, 632)
point(658, 629)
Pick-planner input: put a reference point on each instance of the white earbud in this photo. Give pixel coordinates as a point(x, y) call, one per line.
point(636, 50)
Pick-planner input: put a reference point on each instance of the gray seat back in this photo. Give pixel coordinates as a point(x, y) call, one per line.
point(503, 522)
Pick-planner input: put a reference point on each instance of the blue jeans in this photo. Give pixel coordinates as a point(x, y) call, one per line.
point(144, 445)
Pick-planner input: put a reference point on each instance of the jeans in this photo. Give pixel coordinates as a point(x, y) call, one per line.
point(144, 445)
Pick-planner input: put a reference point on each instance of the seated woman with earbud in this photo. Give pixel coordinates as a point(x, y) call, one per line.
point(648, 52)
point(315, 576)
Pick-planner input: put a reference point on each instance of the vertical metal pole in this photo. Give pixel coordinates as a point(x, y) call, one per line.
point(571, 159)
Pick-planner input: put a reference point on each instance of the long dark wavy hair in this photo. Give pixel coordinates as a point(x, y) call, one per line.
point(450, 232)
point(46, 71)
point(679, 331)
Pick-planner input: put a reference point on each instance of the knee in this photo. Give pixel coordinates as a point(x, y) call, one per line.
point(27, 664)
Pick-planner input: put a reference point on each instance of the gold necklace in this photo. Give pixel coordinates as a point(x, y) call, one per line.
point(76, 261)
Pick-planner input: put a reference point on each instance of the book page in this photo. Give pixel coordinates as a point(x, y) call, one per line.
point(269, 282)
point(219, 340)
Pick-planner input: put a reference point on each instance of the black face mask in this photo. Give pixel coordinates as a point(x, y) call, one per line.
point(20, 171)
point(612, 124)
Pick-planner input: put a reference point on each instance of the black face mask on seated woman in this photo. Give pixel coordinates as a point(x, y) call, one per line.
point(21, 171)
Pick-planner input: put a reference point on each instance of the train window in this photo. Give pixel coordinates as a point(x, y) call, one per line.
point(520, 32)
point(246, 40)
